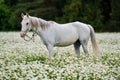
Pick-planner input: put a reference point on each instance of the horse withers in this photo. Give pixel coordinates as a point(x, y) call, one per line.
point(53, 34)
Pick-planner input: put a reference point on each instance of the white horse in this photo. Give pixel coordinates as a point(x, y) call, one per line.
point(54, 34)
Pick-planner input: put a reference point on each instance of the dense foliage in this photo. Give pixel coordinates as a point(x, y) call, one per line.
point(102, 14)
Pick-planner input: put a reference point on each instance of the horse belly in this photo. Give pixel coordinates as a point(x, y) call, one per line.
point(65, 43)
point(67, 39)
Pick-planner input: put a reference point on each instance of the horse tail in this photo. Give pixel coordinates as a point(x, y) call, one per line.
point(93, 40)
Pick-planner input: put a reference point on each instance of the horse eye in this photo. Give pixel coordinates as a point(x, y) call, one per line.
point(27, 23)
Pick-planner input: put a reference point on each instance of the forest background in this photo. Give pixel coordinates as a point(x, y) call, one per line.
point(103, 15)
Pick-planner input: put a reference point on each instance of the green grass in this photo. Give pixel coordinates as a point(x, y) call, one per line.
point(21, 60)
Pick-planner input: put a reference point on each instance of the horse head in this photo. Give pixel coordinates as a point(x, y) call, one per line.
point(26, 25)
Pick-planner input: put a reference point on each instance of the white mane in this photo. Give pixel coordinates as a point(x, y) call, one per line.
point(40, 22)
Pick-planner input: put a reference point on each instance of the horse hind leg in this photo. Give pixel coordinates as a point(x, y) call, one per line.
point(77, 48)
point(84, 46)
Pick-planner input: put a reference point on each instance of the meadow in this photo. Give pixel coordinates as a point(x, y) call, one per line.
point(28, 60)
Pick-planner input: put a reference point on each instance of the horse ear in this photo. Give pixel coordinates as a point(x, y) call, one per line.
point(22, 15)
point(27, 14)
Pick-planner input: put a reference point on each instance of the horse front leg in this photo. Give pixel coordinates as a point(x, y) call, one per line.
point(50, 49)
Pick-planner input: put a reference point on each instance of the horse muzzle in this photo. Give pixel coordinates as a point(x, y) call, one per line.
point(22, 34)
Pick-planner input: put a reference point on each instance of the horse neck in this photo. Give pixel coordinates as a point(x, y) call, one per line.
point(38, 22)
point(42, 21)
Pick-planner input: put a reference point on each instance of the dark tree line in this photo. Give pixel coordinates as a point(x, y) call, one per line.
point(103, 15)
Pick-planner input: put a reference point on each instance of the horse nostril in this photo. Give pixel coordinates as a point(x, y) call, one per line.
point(21, 35)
